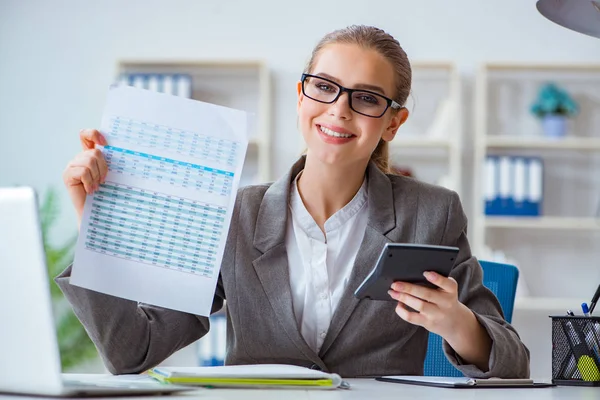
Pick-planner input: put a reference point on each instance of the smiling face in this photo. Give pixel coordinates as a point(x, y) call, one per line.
point(334, 133)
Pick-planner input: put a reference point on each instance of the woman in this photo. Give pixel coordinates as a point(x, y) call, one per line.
point(297, 249)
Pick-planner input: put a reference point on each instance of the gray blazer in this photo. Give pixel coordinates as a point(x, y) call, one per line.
point(365, 338)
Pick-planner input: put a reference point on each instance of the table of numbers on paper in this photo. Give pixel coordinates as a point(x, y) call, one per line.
point(163, 213)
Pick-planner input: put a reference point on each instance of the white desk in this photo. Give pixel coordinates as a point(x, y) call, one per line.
point(366, 389)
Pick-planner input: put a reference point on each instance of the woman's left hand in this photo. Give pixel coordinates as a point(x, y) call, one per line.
point(439, 310)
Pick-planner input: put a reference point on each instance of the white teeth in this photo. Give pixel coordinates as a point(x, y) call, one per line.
point(329, 132)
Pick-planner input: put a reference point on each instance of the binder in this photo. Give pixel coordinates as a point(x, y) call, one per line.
point(220, 341)
point(506, 185)
point(212, 347)
point(124, 80)
point(183, 85)
point(205, 352)
point(535, 184)
point(173, 84)
point(491, 185)
point(167, 84)
point(513, 186)
point(153, 81)
point(138, 81)
point(519, 186)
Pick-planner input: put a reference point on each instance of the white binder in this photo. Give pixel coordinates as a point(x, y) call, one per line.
point(153, 81)
point(519, 181)
point(167, 84)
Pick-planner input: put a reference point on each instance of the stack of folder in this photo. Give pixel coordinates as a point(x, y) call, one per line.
point(249, 376)
point(513, 186)
point(174, 84)
point(212, 347)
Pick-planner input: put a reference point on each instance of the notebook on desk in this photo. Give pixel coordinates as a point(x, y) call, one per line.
point(29, 356)
point(251, 376)
point(464, 382)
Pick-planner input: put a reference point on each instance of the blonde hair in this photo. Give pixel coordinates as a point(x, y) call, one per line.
point(370, 37)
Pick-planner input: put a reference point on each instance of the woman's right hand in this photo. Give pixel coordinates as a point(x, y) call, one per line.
point(87, 170)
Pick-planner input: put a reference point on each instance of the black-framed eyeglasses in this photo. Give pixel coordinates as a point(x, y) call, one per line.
point(362, 101)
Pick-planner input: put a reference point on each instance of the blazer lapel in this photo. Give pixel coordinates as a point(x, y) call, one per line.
point(272, 266)
point(382, 228)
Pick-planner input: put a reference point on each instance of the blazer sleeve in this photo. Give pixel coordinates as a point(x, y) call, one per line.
point(132, 337)
point(509, 357)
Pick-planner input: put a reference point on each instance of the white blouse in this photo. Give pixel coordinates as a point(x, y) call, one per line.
point(320, 264)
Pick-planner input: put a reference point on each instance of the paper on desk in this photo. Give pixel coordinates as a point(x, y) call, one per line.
point(108, 379)
point(155, 231)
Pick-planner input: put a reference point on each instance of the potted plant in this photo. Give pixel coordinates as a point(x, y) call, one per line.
point(75, 346)
point(553, 106)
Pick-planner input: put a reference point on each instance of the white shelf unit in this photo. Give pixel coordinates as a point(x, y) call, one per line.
point(569, 143)
point(558, 223)
point(569, 227)
point(239, 84)
point(557, 253)
point(558, 305)
point(430, 142)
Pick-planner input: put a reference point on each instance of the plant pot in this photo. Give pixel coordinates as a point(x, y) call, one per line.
point(554, 126)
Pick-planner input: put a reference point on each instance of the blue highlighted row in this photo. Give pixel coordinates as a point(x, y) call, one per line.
point(169, 160)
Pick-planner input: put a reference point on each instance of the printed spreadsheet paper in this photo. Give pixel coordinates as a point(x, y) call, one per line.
point(155, 231)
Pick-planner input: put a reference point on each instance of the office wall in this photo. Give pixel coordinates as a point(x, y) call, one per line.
point(57, 58)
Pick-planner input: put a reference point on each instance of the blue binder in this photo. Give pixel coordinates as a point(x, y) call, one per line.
point(513, 186)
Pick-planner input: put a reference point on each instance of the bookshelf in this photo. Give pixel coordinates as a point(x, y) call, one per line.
point(569, 226)
point(240, 84)
point(569, 143)
point(546, 304)
point(430, 142)
point(557, 252)
point(556, 223)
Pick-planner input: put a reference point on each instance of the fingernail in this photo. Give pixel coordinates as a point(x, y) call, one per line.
point(391, 293)
point(429, 275)
point(397, 286)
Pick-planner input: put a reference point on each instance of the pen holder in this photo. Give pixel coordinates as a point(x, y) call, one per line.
point(576, 350)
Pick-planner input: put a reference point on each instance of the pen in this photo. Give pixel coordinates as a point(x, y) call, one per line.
point(589, 337)
point(569, 364)
point(595, 299)
point(585, 363)
point(585, 309)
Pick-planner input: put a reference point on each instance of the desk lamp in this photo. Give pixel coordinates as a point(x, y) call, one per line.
point(579, 15)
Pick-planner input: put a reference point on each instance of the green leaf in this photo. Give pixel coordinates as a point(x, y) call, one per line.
point(74, 343)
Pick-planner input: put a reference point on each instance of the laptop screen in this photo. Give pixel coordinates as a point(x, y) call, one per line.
point(30, 360)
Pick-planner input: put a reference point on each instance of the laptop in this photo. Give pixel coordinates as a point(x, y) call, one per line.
point(29, 355)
